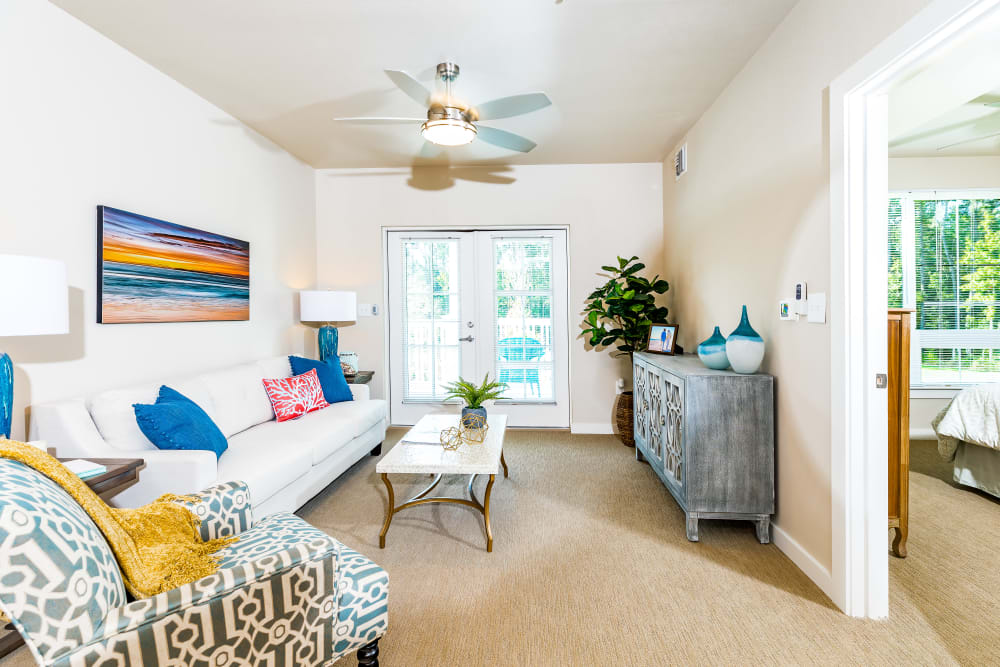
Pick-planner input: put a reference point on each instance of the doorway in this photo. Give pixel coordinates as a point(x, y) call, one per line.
point(464, 303)
point(859, 137)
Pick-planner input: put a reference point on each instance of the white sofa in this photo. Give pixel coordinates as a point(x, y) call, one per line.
point(284, 464)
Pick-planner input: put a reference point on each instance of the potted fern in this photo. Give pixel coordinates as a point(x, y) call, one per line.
point(474, 397)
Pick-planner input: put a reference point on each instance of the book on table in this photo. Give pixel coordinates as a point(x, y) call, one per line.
point(85, 469)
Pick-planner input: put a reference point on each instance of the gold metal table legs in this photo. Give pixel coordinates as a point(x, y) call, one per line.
point(421, 499)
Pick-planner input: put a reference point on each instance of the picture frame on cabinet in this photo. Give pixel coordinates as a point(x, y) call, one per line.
point(662, 339)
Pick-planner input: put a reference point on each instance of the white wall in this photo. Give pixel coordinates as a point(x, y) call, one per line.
point(751, 217)
point(939, 173)
point(610, 210)
point(84, 122)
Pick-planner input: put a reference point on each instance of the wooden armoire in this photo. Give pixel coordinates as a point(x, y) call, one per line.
point(899, 427)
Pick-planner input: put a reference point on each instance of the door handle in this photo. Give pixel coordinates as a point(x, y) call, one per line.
point(467, 339)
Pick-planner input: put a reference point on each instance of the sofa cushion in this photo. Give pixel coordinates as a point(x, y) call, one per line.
point(265, 460)
point(331, 377)
point(238, 397)
point(327, 430)
point(176, 422)
point(295, 396)
point(115, 419)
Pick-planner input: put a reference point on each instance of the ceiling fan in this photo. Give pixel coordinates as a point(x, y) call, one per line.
point(453, 122)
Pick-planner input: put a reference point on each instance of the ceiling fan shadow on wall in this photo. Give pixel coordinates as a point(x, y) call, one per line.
point(453, 122)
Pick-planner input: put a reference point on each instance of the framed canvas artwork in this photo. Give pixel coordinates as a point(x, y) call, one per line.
point(149, 270)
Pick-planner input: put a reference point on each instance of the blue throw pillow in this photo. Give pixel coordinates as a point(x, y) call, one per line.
point(177, 422)
point(331, 377)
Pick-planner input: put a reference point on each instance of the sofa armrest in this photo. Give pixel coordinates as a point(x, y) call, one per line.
point(224, 510)
point(361, 392)
point(240, 613)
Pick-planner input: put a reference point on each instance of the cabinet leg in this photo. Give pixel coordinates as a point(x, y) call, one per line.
point(899, 543)
point(638, 456)
point(764, 530)
point(692, 528)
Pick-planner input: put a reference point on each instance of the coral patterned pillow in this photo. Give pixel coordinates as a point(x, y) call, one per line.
point(295, 396)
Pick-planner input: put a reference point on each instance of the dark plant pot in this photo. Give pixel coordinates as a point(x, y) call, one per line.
point(468, 421)
point(623, 418)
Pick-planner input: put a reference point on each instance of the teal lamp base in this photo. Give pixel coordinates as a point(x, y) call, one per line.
point(328, 340)
point(6, 394)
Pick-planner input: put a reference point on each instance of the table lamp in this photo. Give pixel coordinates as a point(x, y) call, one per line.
point(328, 306)
point(33, 302)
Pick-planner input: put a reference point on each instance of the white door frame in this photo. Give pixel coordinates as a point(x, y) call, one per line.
point(858, 222)
point(417, 229)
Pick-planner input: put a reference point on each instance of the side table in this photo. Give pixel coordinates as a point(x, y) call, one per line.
point(121, 474)
point(361, 377)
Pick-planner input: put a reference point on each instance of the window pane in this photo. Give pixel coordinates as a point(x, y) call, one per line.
point(523, 317)
point(895, 253)
point(953, 366)
point(430, 317)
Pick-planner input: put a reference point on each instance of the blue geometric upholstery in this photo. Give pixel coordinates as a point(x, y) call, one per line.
point(285, 593)
point(58, 576)
point(224, 510)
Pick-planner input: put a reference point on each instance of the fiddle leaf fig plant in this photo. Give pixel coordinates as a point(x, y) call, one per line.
point(621, 311)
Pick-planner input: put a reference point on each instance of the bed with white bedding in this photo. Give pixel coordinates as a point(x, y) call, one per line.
point(968, 432)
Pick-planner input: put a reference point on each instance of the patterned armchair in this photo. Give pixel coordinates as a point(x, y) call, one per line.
point(284, 594)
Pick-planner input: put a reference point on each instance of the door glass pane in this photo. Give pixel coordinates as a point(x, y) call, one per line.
point(523, 317)
point(430, 317)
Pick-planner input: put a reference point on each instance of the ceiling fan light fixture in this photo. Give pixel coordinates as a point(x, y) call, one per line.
point(448, 132)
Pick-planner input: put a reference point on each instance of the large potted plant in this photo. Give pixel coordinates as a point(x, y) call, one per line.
point(620, 313)
point(474, 397)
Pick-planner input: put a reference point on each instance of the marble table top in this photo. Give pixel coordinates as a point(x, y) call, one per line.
point(468, 459)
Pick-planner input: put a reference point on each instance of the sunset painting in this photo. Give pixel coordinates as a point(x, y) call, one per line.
point(155, 271)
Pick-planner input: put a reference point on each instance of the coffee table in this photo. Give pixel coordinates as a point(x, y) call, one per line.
point(483, 458)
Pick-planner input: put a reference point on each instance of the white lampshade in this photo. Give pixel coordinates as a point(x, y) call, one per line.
point(34, 298)
point(328, 306)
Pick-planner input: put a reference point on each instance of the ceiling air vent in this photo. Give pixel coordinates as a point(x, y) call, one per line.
point(680, 162)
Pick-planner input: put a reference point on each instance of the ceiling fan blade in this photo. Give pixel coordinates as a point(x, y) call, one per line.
point(969, 141)
point(505, 139)
point(515, 105)
point(413, 88)
point(379, 121)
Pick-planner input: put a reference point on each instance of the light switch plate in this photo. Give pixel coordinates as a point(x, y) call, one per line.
point(817, 308)
point(367, 309)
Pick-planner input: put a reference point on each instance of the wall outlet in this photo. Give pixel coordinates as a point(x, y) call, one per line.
point(786, 311)
point(367, 309)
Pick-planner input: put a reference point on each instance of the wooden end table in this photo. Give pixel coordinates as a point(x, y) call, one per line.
point(361, 377)
point(121, 474)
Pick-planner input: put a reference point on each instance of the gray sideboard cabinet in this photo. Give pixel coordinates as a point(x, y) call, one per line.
point(709, 436)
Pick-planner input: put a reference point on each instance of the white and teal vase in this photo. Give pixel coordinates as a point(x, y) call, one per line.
point(712, 351)
point(745, 347)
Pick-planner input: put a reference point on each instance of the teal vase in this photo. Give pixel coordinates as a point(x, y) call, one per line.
point(712, 351)
point(328, 339)
point(745, 347)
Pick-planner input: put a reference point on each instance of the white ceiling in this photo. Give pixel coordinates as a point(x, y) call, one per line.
point(627, 77)
point(949, 106)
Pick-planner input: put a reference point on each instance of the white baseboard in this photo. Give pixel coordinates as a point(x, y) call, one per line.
point(591, 428)
point(803, 559)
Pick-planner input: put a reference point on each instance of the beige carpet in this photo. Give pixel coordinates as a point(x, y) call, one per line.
point(590, 567)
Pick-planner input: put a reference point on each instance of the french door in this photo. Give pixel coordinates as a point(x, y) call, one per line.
point(468, 303)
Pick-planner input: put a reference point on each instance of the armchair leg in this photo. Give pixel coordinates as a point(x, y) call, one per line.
point(368, 655)
point(378, 450)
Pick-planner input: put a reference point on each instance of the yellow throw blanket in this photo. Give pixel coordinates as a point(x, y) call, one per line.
point(158, 546)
